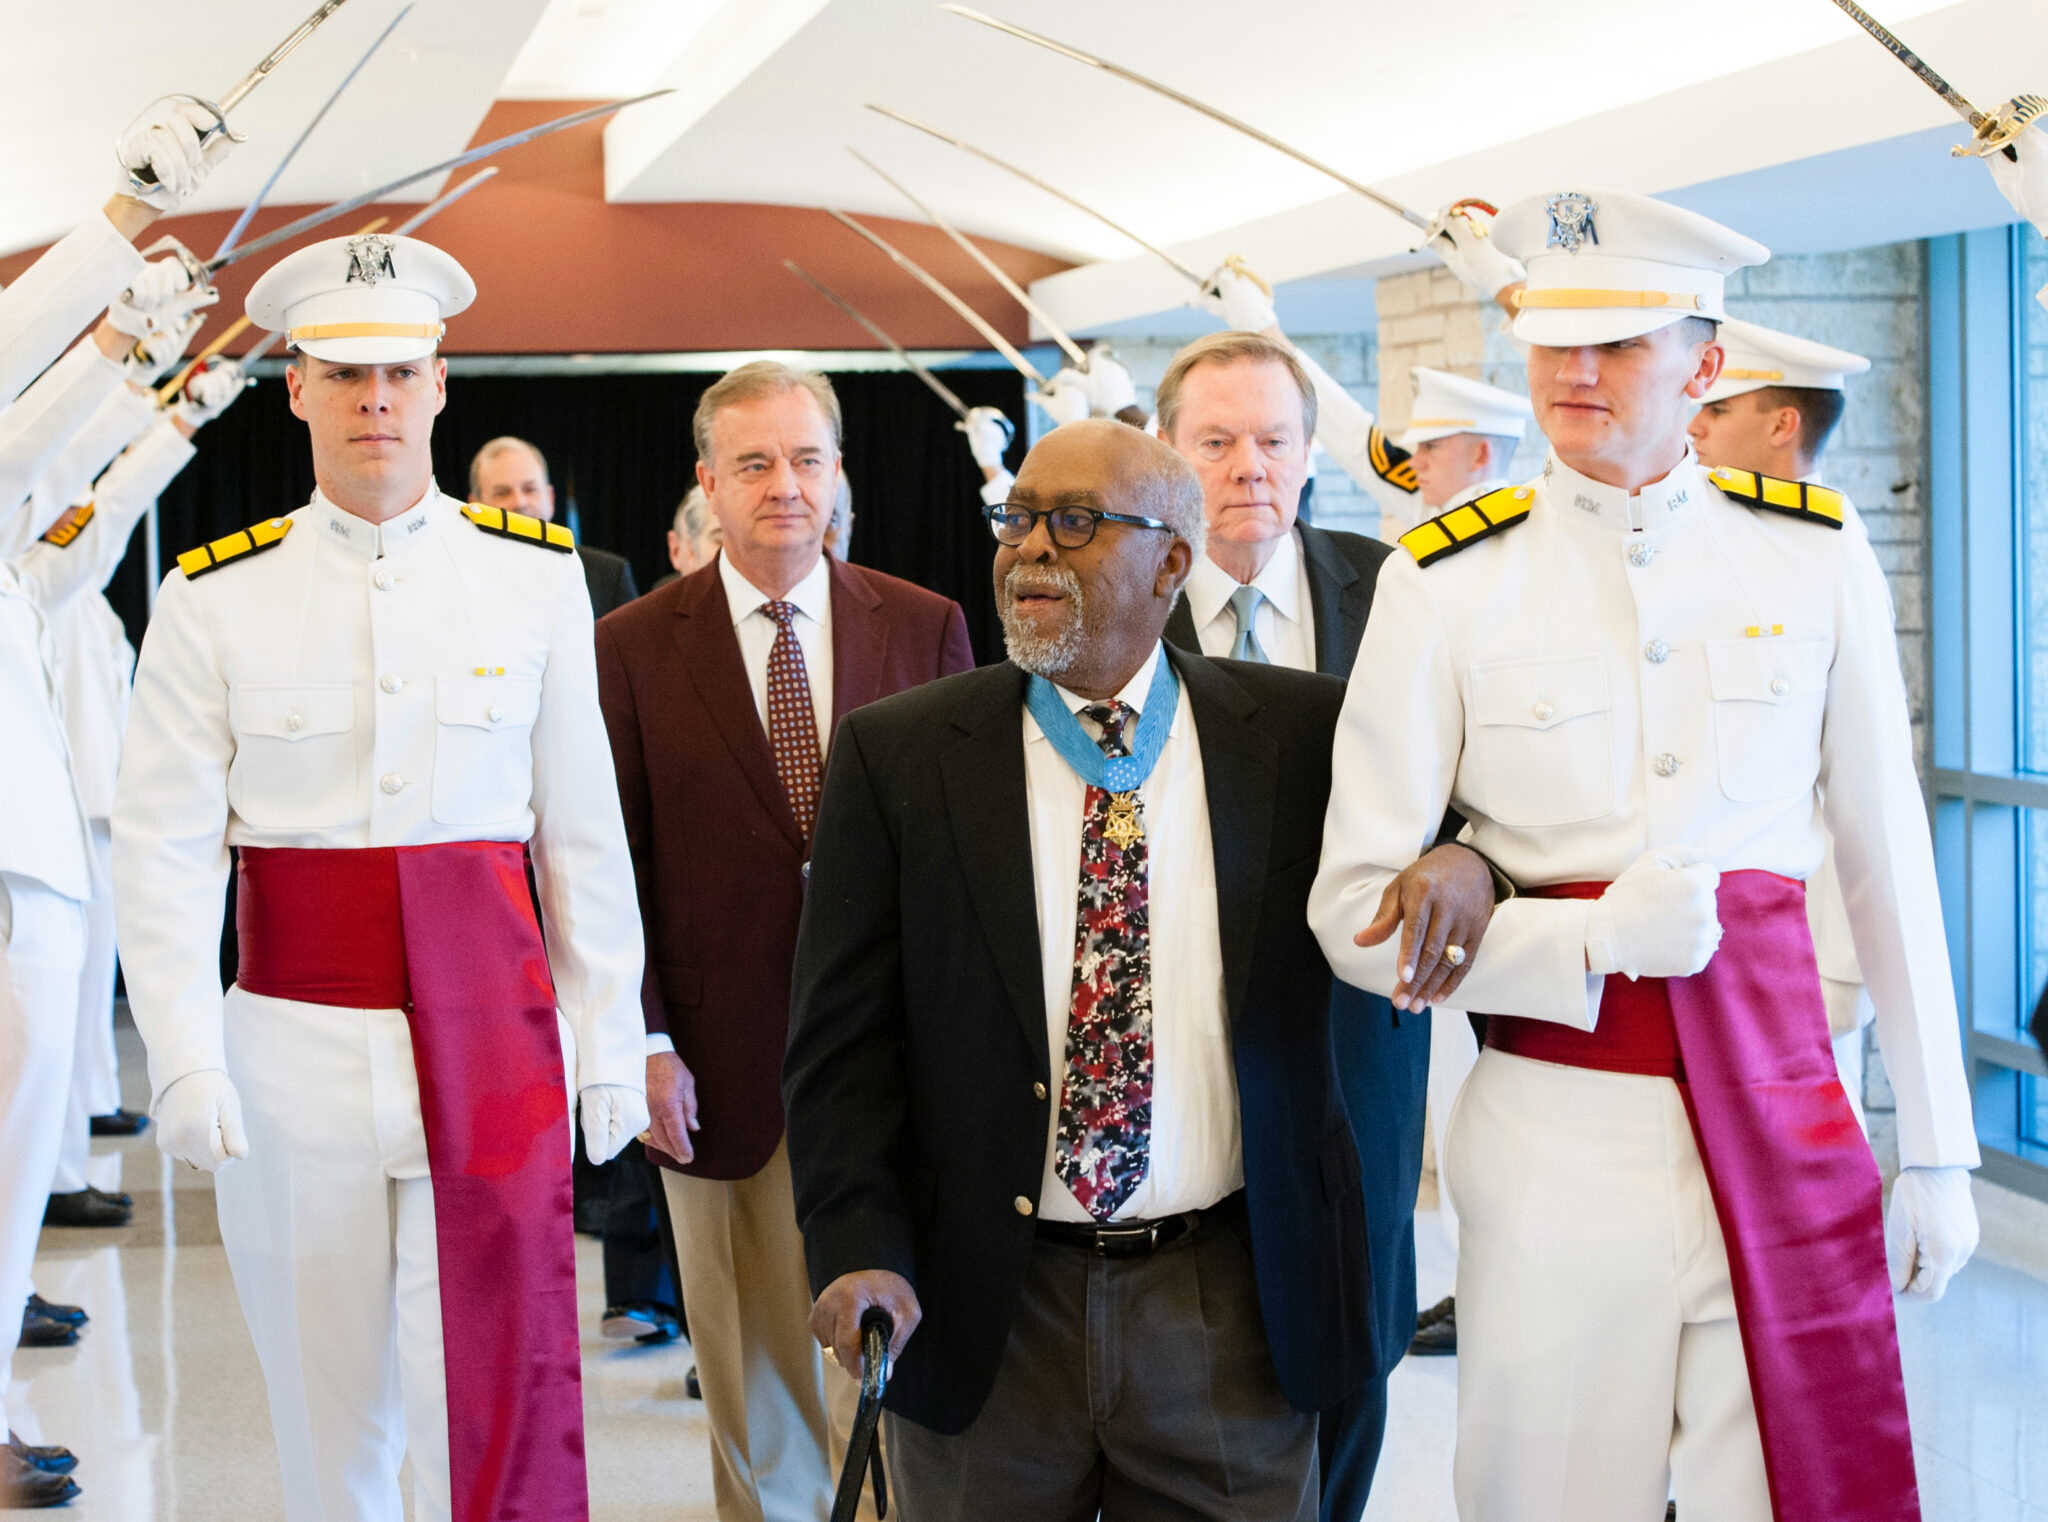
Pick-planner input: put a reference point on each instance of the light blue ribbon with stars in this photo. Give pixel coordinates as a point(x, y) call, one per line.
point(1113, 774)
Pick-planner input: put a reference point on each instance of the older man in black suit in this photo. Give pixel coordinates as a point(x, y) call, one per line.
point(1060, 1083)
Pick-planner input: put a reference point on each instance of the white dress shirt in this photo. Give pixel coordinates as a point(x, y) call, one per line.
point(1284, 624)
point(812, 626)
point(1197, 1150)
point(1619, 673)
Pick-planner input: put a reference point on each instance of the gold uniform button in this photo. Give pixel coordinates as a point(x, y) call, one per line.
point(1023, 1205)
point(1038, 1091)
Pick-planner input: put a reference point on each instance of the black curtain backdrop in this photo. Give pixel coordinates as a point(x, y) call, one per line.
point(620, 446)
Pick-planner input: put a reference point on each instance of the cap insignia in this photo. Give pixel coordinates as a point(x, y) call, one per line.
point(1571, 221)
point(369, 259)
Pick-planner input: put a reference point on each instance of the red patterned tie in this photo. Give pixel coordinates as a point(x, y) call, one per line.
point(1105, 1129)
point(792, 725)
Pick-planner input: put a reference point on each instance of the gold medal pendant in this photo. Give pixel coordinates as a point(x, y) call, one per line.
point(1122, 828)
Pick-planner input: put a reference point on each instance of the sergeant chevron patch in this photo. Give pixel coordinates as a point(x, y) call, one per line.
point(253, 540)
point(1390, 462)
point(1481, 518)
point(495, 520)
point(1795, 499)
point(66, 529)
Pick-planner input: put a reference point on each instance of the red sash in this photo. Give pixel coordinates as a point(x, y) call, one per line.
point(1795, 1188)
point(447, 933)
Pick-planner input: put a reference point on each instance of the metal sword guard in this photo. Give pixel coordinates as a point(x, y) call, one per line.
point(197, 275)
point(139, 175)
point(2002, 127)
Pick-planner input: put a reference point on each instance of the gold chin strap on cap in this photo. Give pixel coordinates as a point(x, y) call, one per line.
point(1762, 375)
point(318, 331)
point(1678, 301)
point(1443, 422)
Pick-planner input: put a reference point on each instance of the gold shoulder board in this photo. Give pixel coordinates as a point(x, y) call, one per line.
point(1795, 499)
point(1481, 518)
point(1390, 462)
point(66, 529)
point(495, 520)
point(239, 545)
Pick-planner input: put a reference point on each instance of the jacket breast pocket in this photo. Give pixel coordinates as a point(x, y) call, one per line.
point(1769, 699)
point(295, 755)
point(483, 747)
point(1540, 742)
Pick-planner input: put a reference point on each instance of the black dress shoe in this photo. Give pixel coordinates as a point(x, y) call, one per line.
point(642, 1323)
point(1436, 1330)
point(70, 1315)
point(45, 1332)
point(690, 1386)
point(88, 1207)
point(50, 1459)
point(23, 1487)
point(120, 1123)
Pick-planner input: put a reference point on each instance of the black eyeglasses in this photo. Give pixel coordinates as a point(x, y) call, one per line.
point(1070, 527)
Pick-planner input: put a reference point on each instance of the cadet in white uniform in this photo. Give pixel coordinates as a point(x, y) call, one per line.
point(377, 700)
point(1643, 683)
point(2023, 179)
point(1772, 410)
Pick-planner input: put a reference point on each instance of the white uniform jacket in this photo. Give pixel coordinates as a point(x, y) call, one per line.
point(40, 426)
point(1614, 674)
point(57, 296)
point(122, 418)
point(359, 685)
point(1349, 436)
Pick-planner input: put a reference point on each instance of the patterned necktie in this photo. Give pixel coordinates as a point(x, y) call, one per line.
point(1244, 607)
point(1105, 1127)
point(792, 724)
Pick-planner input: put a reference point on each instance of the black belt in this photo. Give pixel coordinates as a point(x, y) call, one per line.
point(1126, 1239)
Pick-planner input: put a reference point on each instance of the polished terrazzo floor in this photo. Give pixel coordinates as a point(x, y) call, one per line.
point(163, 1402)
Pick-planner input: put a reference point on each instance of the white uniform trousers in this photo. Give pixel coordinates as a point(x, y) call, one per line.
point(329, 1230)
point(95, 1071)
point(780, 1417)
point(1600, 1364)
point(1452, 1051)
point(42, 943)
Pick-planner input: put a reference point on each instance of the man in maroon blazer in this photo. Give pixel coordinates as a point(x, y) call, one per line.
point(720, 691)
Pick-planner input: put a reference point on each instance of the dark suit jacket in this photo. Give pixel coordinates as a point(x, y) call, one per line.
point(609, 577)
point(717, 854)
point(1382, 1058)
point(918, 1027)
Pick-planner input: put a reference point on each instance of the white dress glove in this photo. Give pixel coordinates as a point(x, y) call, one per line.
point(153, 354)
point(1236, 294)
point(988, 435)
point(1065, 397)
point(1931, 1230)
point(1462, 236)
point(1107, 383)
point(209, 392)
point(199, 1120)
point(2025, 183)
point(1658, 919)
point(612, 1116)
point(168, 146)
point(162, 296)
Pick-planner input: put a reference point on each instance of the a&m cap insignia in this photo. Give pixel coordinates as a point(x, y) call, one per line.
point(369, 258)
point(1571, 221)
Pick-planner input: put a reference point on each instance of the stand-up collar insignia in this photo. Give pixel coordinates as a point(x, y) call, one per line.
point(1657, 507)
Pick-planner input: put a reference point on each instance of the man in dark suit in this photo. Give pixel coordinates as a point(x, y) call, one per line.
point(720, 692)
point(511, 474)
point(1241, 410)
point(1060, 1082)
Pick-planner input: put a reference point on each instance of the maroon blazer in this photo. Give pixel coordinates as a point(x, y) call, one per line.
point(716, 851)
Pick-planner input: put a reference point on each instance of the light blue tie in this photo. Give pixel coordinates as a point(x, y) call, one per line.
point(1244, 607)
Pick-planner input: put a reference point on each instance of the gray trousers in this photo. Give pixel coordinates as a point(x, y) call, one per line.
point(1132, 1389)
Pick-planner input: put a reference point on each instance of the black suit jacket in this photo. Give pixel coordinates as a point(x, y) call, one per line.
point(918, 1023)
point(1382, 1058)
point(609, 577)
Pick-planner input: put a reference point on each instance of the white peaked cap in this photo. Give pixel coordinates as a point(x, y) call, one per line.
point(1446, 404)
point(368, 300)
point(1606, 265)
point(1760, 357)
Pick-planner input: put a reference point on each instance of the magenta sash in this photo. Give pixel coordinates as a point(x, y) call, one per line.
point(485, 1043)
point(1797, 1193)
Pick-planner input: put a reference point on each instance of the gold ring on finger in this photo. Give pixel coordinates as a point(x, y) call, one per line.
point(1455, 955)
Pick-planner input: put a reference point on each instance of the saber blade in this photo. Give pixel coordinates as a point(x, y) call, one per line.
point(931, 283)
point(1977, 119)
point(940, 388)
point(277, 55)
point(1032, 179)
point(1001, 277)
point(1203, 107)
point(447, 199)
point(482, 151)
point(242, 222)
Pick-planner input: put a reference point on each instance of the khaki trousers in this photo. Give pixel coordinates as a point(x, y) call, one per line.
point(780, 1417)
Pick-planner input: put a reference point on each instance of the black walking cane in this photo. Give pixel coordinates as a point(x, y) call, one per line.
point(876, 1330)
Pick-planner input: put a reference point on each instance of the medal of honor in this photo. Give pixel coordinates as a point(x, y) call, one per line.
point(1122, 828)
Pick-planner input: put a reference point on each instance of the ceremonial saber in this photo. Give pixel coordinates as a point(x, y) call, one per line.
point(1195, 105)
point(1993, 133)
point(447, 199)
point(910, 266)
point(144, 178)
point(242, 222)
point(1032, 179)
point(1059, 336)
point(939, 387)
